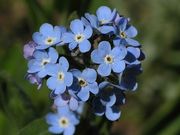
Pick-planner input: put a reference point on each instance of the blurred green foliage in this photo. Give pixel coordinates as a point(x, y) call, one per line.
point(152, 109)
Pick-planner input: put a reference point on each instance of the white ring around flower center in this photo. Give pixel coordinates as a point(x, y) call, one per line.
point(79, 38)
point(60, 76)
point(82, 82)
point(44, 62)
point(49, 40)
point(122, 34)
point(63, 122)
point(108, 59)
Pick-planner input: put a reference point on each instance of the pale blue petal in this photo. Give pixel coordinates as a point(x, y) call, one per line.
point(68, 37)
point(51, 118)
point(104, 48)
point(60, 88)
point(63, 63)
point(132, 42)
point(89, 75)
point(106, 29)
point(55, 129)
point(68, 79)
point(59, 101)
point(69, 130)
point(85, 46)
point(38, 38)
point(112, 113)
point(92, 19)
point(76, 72)
point(83, 94)
point(77, 26)
point(88, 32)
point(42, 73)
point(63, 111)
point(104, 69)
point(73, 104)
point(131, 32)
point(93, 87)
point(135, 51)
point(42, 47)
point(53, 55)
point(52, 69)
point(72, 45)
point(46, 29)
point(96, 58)
point(122, 24)
point(104, 13)
point(118, 65)
point(51, 83)
point(119, 52)
point(39, 55)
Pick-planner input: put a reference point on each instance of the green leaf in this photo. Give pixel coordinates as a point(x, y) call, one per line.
point(36, 127)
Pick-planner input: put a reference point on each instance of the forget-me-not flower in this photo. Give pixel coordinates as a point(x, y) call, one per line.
point(47, 36)
point(84, 83)
point(79, 36)
point(59, 78)
point(40, 61)
point(109, 59)
point(126, 33)
point(63, 121)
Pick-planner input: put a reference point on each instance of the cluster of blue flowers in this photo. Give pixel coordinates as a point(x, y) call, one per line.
point(101, 63)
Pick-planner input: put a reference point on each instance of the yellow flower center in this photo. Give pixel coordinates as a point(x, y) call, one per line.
point(44, 62)
point(63, 122)
point(61, 76)
point(49, 41)
point(108, 59)
point(82, 82)
point(123, 34)
point(79, 38)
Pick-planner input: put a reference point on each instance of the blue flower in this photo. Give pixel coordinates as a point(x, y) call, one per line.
point(40, 61)
point(59, 76)
point(108, 100)
point(126, 33)
point(109, 59)
point(128, 78)
point(67, 99)
point(93, 21)
point(47, 36)
point(63, 121)
point(79, 36)
point(34, 79)
point(29, 49)
point(84, 83)
point(105, 15)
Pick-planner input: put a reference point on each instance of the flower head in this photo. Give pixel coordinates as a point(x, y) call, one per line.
point(47, 36)
point(63, 121)
point(59, 76)
point(109, 59)
point(126, 33)
point(40, 61)
point(84, 83)
point(29, 49)
point(79, 36)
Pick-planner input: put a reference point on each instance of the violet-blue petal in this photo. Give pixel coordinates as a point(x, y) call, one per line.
point(85, 46)
point(104, 69)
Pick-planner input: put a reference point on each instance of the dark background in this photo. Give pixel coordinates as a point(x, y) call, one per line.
point(152, 109)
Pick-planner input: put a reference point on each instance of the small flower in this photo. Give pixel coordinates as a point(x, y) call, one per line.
point(60, 77)
point(63, 121)
point(109, 59)
point(67, 99)
point(93, 21)
point(108, 100)
point(47, 36)
point(34, 79)
point(128, 78)
point(29, 49)
point(125, 33)
point(79, 36)
point(84, 83)
point(105, 15)
point(40, 61)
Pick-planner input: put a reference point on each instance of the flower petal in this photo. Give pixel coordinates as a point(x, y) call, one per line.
point(89, 75)
point(93, 87)
point(106, 29)
point(83, 94)
point(118, 65)
point(85, 46)
point(77, 26)
point(132, 42)
point(131, 32)
point(95, 57)
point(112, 113)
point(46, 29)
point(88, 32)
point(63, 63)
point(104, 69)
point(68, 37)
point(51, 83)
point(73, 104)
point(69, 130)
point(68, 79)
point(53, 55)
point(119, 52)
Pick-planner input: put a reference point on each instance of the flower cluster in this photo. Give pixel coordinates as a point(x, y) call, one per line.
point(101, 62)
